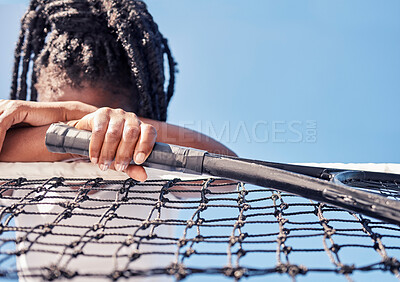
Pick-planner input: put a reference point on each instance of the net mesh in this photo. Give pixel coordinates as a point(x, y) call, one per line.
point(63, 228)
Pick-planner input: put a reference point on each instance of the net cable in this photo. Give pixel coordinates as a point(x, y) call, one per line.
point(241, 233)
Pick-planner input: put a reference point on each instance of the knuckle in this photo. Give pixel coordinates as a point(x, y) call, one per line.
point(104, 111)
point(112, 135)
point(119, 111)
point(13, 106)
point(132, 116)
point(98, 129)
point(149, 129)
point(131, 132)
point(6, 103)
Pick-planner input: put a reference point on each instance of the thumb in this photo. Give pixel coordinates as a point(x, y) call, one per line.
point(136, 172)
point(85, 123)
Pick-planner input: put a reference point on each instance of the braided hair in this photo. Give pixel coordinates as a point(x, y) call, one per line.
point(112, 42)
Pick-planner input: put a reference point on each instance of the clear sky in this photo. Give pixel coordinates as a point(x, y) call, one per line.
point(288, 81)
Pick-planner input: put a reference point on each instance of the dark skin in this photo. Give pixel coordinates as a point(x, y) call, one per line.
point(117, 134)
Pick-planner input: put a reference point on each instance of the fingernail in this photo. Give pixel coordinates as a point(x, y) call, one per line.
point(140, 158)
point(94, 160)
point(124, 167)
point(118, 167)
point(104, 167)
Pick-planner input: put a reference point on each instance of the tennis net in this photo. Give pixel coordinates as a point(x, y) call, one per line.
point(115, 229)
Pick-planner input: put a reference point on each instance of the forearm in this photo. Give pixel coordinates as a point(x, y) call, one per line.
point(27, 145)
point(172, 134)
point(166, 133)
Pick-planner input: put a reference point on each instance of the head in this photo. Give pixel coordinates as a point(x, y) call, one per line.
point(102, 52)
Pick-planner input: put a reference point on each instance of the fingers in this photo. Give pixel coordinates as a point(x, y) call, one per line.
point(136, 172)
point(130, 136)
point(99, 128)
point(145, 144)
point(137, 143)
point(5, 124)
point(137, 140)
point(10, 114)
point(119, 136)
point(17, 112)
point(111, 141)
point(96, 122)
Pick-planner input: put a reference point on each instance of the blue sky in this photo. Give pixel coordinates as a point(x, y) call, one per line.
point(288, 81)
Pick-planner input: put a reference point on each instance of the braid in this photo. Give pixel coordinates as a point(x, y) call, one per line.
point(23, 46)
point(111, 42)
